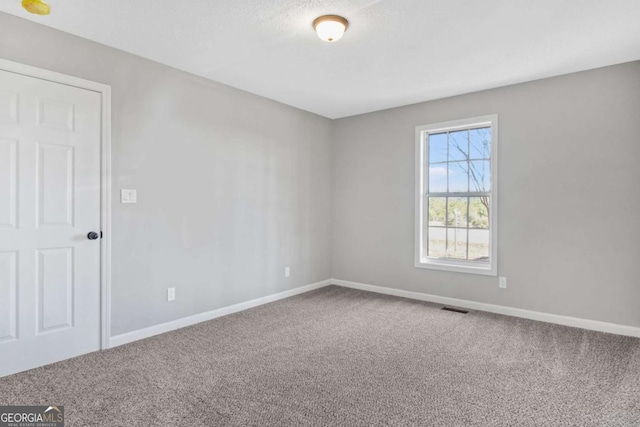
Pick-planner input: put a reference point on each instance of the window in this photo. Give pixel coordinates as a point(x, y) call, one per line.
point(456, 195)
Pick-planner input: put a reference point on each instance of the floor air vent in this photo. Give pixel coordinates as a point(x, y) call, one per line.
point(455, 310)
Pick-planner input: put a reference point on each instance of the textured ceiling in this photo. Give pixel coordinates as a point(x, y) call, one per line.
point(396, 52)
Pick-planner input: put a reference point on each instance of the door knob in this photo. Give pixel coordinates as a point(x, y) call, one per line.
point(92, 235)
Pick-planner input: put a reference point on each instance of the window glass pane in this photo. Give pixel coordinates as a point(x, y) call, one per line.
point(458, 176)
point(480, 143)
point(437, 211)
point(479, 212)
point(457, 243)
point(479, 245)
point(480, 175)
point(436, 246)
point(457, 212)
point(438, 178)
point(438, 147)
point(458, 145)
point(458, 224)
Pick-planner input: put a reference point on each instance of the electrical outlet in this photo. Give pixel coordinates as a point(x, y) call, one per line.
point(171, 294)
point(287, 272)
point(502, 283)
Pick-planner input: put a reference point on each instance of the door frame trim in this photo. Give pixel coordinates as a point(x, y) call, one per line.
point(105, 178)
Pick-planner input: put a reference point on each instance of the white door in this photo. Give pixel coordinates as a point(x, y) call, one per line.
point(49, 202)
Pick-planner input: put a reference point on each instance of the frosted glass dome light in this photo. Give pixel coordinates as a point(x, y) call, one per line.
point(330, 28)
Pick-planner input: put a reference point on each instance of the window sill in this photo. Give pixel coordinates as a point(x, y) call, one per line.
point(446, 265)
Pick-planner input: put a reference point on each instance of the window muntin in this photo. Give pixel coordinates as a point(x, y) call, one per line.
point(456, 204)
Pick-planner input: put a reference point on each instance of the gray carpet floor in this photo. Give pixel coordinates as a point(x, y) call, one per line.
point(341, 357)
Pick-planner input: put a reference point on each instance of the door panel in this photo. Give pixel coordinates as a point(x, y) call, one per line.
point(49, 201)
point(55, 115)
point(55, 289)
point(8, 291)
point(8, 107)
point(55, 185)
point(8, 182)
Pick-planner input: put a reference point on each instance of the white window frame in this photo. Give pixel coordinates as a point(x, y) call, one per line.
point(422, 184)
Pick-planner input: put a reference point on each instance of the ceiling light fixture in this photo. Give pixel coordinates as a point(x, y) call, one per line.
point(38, 7)
point(330, 28)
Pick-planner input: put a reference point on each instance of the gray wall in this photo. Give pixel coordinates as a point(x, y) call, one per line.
point(231, 187)
point(234, 187)
point(569, 203)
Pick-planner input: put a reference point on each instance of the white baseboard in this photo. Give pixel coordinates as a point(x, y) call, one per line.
point(575, 322)
point(139, 334)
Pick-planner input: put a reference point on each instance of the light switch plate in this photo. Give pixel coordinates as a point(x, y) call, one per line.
point(128, 196)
